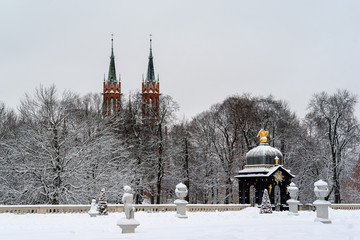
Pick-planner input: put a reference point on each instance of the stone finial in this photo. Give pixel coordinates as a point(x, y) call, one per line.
point(293, 202)
point(321, 189)
point(322, 206)
point(293, 191)
point(181, 191)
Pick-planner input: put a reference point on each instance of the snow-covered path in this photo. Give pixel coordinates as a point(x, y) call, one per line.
point(246, 224)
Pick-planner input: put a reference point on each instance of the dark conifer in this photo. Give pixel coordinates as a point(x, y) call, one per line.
point(102, 203)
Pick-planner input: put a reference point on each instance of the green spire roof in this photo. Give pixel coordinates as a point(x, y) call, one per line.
point(150, 77)
point(112, 71)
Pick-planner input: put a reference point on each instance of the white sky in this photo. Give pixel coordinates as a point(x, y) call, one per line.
point(204, 51)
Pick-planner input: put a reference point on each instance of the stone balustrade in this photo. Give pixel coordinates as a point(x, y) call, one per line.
point(45, 209)
point(215, 207)
point(340, 206)
point(155, 207)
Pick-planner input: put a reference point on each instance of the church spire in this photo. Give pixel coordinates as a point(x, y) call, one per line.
point(150, 77)
point(112, 71)
point(150, 56)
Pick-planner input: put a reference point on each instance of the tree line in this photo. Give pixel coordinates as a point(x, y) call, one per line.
point(61, 149)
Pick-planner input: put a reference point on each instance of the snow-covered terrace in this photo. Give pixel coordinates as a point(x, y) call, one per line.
point(244, 224)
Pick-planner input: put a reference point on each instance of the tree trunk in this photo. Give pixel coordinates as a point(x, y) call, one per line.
point(187, 176)
point(57, 169)
point(336, 181)
point(160, 173)
point(228, 191)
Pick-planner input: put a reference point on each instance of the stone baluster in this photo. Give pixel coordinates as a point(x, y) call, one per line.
point(293, 202)
point(322, 206)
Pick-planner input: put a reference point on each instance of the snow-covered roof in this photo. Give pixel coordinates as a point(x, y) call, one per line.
point(261, 171)
point(263, 154)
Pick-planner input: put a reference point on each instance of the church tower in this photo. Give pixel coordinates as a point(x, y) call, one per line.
point(150, 91)
point(111, 89)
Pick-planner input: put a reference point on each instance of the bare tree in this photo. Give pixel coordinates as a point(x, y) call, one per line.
point(8, 124)
point(61, 149)
point(206, 179)
point(164, 116)
point(180, 154)
point(147, 141)
point(337, 128)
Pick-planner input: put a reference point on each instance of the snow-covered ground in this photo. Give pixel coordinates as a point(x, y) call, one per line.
point(246, 224)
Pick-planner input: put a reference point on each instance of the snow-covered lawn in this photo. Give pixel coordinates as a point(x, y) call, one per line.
point(246, 224)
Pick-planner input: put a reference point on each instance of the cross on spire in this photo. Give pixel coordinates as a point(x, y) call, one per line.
point(150, 42)
point(112, 40)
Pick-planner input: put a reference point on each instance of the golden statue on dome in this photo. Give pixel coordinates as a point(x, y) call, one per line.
point(263, 135)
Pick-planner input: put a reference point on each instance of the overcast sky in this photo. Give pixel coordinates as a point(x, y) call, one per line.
point(203, 51)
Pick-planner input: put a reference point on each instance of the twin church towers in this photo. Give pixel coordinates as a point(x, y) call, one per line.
point(112, 89)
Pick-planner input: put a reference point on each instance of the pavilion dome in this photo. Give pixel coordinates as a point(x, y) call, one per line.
point(263, 154)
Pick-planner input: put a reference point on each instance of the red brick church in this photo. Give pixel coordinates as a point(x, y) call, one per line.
point(150, 90)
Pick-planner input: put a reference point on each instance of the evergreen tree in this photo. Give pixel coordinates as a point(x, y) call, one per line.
point(265, 204)
point(102, 203)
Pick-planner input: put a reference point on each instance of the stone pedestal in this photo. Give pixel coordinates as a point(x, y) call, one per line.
point(293, 207)
point(181, 208)
point(127, 225)
point(322, 211)
point(293, 203)
point(322, 206)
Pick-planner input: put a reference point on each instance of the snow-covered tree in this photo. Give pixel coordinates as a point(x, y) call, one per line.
point(206, 179)
point(265, 204)
point(180, 155)
point(61, 149)
point(147, 143)
point(222, 136)
point(8, 124)
point(102, 207)
point(337, 130)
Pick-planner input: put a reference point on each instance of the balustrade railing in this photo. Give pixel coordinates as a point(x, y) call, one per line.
point(45, 209)
point(340, 206)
